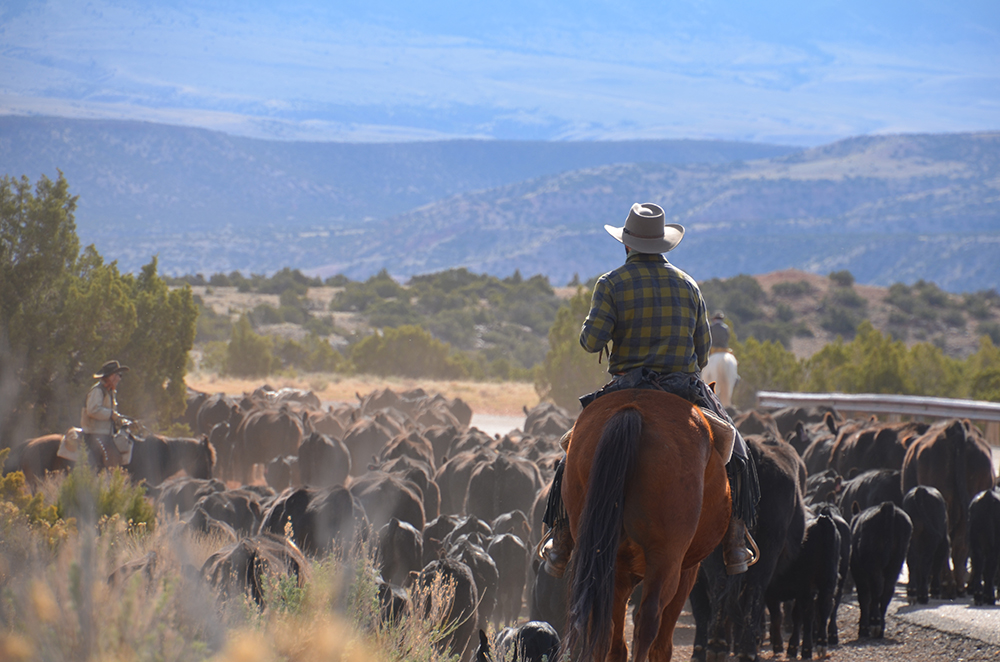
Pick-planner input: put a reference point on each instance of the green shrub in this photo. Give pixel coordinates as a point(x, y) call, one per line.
point(211, 325)
point(312, 354)
point(408, 351)
point(990, 329)
point(568, 370)
point(954, 318)
point(784, 312)
point(739, 297)
point(840, 320)
point(320, 325)
point(931, 294)
point(899, 295)
point(338, 280)
point(92, 496)
point(248, 354)
point(764, 366)
point(842, 278)
point(847, 297)
point(392, 313)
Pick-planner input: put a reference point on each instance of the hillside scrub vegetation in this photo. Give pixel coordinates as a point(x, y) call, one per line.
point(482, 327)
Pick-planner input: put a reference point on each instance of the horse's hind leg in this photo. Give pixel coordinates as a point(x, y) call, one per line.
point(625, 583)
point(663, 645)
point(659, 593)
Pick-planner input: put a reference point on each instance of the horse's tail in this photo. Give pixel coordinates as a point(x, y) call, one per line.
point(596, 548)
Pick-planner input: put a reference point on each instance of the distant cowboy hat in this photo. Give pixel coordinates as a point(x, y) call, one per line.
point(719, 315)
point(645, 232)
point(110, 368)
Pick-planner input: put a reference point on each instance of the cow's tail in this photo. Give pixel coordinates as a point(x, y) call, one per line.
point(599, 532)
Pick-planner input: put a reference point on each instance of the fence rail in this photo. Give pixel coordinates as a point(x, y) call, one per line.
point(910, 405)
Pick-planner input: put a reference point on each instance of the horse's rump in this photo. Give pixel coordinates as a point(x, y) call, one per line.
point(652, 453)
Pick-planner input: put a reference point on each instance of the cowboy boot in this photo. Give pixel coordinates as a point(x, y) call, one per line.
point(735, 554)
point(559, 551)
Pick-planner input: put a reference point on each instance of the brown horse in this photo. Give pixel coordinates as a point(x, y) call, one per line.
point(648, 499)
point(154, 458)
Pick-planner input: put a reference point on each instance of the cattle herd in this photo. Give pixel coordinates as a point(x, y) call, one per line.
point(843, 503)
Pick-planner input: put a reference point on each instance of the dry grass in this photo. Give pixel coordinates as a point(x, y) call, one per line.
point(59, 603)
point(492, 398)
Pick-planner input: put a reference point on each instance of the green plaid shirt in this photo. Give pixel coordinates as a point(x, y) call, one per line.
point(654, 314)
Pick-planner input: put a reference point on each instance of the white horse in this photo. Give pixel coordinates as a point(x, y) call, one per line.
point(722, 370)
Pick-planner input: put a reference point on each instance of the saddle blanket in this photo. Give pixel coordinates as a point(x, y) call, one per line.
point(72, 442)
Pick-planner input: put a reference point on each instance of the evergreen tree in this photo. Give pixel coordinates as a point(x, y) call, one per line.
point(569, 371)
point(63, 313)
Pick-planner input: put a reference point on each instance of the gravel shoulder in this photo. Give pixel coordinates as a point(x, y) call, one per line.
point(941, 632)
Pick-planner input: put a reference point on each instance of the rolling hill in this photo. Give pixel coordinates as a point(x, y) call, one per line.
point(887, 208)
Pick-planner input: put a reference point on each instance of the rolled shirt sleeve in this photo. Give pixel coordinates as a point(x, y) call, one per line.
point(600, 322)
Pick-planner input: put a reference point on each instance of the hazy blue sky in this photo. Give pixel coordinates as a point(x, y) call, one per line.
point(800, 72)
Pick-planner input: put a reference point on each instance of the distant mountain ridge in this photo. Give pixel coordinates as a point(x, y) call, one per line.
point(887, 208)
point(183, 179)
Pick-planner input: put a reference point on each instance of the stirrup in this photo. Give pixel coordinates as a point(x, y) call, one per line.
point(546, 537)
point(754, 550)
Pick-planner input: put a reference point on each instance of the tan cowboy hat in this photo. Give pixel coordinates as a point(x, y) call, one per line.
point(110, 368)
point(645, 232)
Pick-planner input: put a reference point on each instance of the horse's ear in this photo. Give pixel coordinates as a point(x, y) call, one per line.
point(711, 385)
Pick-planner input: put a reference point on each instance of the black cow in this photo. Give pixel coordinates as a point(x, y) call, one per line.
point(871, 488)
point(824, 487)
point(811, 581)
point(181, 493)
point(323, 461)
point(420, 474)
point(461, 610)
point(401, 549)
point(385, 496)
point(243, 566)
point(319, 519)
point(844, 564)
point(781, 522)
point(506, 483)
point(510, 554)
point(484, 571)
point(434, 535)
point(788, 418)
point(984, 545)
point(239, 509)
point(283, 472)
point(879, 538)
point(930, 544)
point(549, 597)
point(515, 522)
point(394, 602)
point(529, 642)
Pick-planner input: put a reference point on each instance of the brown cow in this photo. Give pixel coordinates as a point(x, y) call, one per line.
point(262, 436)
point(953, 457)
point(875, 446)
